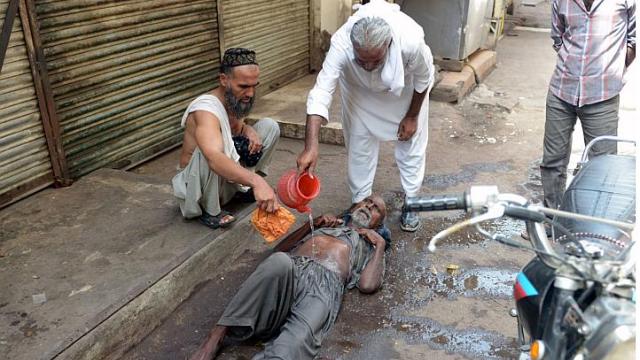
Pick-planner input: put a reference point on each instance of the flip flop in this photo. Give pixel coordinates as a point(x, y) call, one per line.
point(216, 221)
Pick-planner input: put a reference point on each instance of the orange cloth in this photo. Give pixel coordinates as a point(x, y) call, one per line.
point(272, 226)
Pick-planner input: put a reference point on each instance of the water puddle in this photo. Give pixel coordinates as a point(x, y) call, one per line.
point(473, 283)
point(466, 236)
point(426, 284)
point(476, 343)
point(466, 175)
point(532, 188)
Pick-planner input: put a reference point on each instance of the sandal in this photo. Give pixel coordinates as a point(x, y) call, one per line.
point(409, 221)
point(217, 221)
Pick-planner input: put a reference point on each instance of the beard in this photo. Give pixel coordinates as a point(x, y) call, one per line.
point(361, 218)
point(237, 108)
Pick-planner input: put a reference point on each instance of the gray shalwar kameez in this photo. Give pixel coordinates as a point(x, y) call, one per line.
point(293, 300)
point(197, 187)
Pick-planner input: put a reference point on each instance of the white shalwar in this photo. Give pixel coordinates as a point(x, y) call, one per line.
point(374, 103)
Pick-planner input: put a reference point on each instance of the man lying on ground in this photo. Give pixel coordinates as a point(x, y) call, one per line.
point(292, 299)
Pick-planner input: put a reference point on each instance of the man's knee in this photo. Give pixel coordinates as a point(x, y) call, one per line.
point(276, 264)
point(553, 162)
point(268, 128)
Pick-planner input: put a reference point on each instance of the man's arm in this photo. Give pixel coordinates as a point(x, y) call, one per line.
point(631, 34)
point(209, 141)
point(307, 160)
point(421, 67)
point(371, 276)
point(300, 233)
point(557, 26)
point(409, 125)
point(319, 99)
point(294, 238)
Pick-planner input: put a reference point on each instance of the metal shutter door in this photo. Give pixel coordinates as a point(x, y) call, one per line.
point(277, 30)
point(24, 156)
point(122, 73)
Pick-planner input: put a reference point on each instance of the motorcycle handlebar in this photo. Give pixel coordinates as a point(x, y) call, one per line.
point(436, 202)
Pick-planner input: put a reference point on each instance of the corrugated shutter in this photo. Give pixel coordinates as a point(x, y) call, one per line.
point(24, 156)
point(277, 30)
point(122, 73)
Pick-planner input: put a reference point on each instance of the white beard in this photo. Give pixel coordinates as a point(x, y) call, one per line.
point(361, 218)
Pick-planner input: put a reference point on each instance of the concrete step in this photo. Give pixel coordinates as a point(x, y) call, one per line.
point(455, 85)
point(287, 106)
point(89, 270)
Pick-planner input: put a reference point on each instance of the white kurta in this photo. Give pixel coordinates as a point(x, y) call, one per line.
point(374, 103)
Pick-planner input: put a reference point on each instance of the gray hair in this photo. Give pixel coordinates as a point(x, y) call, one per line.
point(370, 33)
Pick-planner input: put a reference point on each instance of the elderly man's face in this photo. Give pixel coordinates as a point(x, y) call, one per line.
point(370, 59)
point(369, 213)
point(240, 89)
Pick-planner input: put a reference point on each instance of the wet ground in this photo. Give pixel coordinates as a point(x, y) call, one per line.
point(453, 304)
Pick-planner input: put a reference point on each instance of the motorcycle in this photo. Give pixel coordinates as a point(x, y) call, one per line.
point(576, 298)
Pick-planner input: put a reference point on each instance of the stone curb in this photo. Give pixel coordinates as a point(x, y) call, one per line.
point(329, 134)
point(134, 321)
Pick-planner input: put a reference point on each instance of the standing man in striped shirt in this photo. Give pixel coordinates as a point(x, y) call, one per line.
point(596, 42)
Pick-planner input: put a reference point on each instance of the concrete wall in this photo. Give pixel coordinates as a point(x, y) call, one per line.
point(334, 13)
point(327, 17)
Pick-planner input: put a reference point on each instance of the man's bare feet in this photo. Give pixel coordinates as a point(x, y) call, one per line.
point(211, 346)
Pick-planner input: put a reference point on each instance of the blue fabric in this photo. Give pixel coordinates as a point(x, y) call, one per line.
point(247, 159)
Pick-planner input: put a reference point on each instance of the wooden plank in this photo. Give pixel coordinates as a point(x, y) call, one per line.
point(49, 116)
point(7, 27)
point(221, 43)
point(24, 190)
point(315, 51)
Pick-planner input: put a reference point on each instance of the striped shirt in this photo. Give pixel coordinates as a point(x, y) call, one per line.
point(592, 47)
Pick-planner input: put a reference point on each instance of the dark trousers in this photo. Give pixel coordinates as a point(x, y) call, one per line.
point(291, 302)
point(596, 119)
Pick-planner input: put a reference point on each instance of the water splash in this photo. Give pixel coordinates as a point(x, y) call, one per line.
point(313, 240)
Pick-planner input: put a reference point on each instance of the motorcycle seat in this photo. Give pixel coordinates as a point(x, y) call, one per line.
point(604, 187)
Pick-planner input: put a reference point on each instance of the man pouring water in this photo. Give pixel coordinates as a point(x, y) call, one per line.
point(385, 72)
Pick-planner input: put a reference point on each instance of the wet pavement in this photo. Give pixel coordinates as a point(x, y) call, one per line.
point(426, 308)
point(452, 304)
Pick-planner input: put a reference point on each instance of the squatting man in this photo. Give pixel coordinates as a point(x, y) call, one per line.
point(222, 157)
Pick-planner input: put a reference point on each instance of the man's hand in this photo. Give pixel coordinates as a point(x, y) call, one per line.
point(255, 144)
point(407, 128)
point(265, 196)
point(327, 220)
point(307, 160)
point(372, 237)
point(631, 55)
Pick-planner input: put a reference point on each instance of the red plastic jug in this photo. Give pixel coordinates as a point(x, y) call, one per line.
point(297, 191)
